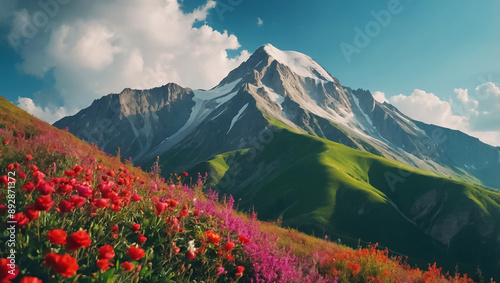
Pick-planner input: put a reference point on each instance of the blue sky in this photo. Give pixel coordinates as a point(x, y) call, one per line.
point(428, 54)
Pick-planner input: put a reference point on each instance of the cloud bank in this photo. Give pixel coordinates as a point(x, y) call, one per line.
point(93, 48)
point(477, 113)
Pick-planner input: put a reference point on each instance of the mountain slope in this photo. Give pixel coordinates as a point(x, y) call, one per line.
point(323, 187)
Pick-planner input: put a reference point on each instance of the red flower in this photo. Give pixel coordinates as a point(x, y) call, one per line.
point(135, 253)
point(10, 167)
point(243, 239)
point(44, 203)
point(66, 206)
point(161, 207)
point(31, 212)
point(114, 228)
point(111, 173)
point(6, 270)
point(45, 188)
point(141, 239)
point(229, 246)
point(196, 212)
point(101, 203)
point(28, 187)
point(136, 227)
point(21, 219)
point(84, 190)
point(239, 271)
point(4, 180)
point(106, 252)
point(57, 236)
point(29, 279)
point(65, 265)
point(22, 175)
point(185, 174)
point(104, 264)
point(213, 237)
point(5, 142)
point(136, 198)
point(184, 211)
point(29, 157)
point(77, 200)
point(354, 267)
point(127, 266)
point(78, 240)
point(190, 255)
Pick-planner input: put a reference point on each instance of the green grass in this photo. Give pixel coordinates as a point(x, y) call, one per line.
point(322, 187)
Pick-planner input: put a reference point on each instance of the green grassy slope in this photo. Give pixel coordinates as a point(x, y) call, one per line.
point(321, 187)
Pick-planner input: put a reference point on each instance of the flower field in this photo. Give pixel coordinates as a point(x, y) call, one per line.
point(71, 213)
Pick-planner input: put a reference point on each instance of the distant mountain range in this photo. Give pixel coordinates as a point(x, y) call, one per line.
point(292, 142)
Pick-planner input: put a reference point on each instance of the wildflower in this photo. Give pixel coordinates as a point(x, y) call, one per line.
point(191, 250)
point(31, 212)
point(5, 268)
point(184, 211)
point(28, 158)
point(78, 240)
point(136, 227)
point(29, 279)
point(213, 237)
point(141, 239)
point(66, 206)
point(44, 203)
point(10, 167)
point(77, 200)
point(127, 266)
point(57, 236)
point(239, 271)
point(114, 228)
point(84, 190)
point(136, 198)
point(185, 174)
point(101, 203)
point(161, 207)
point(135, 253)
point(22, 175)
point(5, 142)
point(354, 267)
point(65, 265)
point(21, 219)
point(229, 246)
point(106, 252)
point(104, 264)
point(45, 188)
point(243, 239)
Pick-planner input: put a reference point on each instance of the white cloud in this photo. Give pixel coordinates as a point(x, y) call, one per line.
point(429, 108)
point(380, 96)
point(477, 115)
point(47, 114)
point(100, 47)
point(260, 22)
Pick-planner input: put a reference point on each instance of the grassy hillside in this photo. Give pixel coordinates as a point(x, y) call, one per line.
point(82, 216)
point(325, 188)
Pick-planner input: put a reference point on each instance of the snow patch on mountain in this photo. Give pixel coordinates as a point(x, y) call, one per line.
point(301, 64)
point(237, 117)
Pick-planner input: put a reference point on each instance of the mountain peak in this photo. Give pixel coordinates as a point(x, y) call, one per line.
point(299, 63)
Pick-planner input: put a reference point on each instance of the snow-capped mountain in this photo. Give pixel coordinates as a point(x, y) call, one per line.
point(273, 87)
